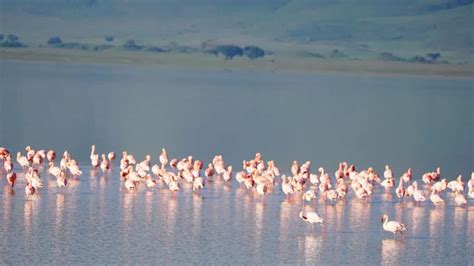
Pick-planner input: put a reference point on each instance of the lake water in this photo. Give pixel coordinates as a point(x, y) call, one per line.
point(326, 118)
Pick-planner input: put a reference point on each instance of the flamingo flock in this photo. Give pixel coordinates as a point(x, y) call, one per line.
point(257, 176)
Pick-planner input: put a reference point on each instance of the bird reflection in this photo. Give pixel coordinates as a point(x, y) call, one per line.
point(358, 214)
point(197, 207)
point(148, 207)
point(59, 212)
point(127, 206)
point(436, 221)
point(27, 217)
point(259, 209)
point(417, 219)
point(470, 220)
point(459, 220)
point(391, 251)
point(171, 213)
point(6, 205)
point(312, 247)
point(93, 172)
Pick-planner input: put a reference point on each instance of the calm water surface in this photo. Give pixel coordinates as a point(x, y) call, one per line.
point(95, 220)
point(326, 118)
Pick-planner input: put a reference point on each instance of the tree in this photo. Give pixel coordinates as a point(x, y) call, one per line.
point(253, 52)
point(54, 40)
point(433, 56)
point(12, 38)
point(130, 45)
point(109, 38)
point(229, 51)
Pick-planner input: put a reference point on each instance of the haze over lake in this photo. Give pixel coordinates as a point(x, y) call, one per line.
point(326, 118)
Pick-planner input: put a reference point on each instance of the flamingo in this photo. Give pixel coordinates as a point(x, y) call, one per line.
point(131, 159)
point(163, 158)
point(460, 199)
point(295, 168)
point(104, 164)
point(61, 179)
point(155, 169)
point(37, 158)
point(410, 190)
point(227, 176)
point(400, 191)
point(149, 181)
point(198, 183)
point(262, 189)
point(311, 217)
point(331, 194)
point(339, 172)
point(8, 164)
point(173, 163)
point(456, 185)
point(341, 188)
point(74, 168)
point(314, 179)
point(470, 186)
point(63, 162)
point(173, 185)
point(440, 186)
point(11, 178)
point(418, 195)
point(430, 177)
point(407, 176)
point(286, 186)
point(387, 174)
point(393, 226)
point(209, 172)
point(94, 157)
point(435, 198)
point(145, 164)
point(29, 189)
point(32, 177)
point(53, 170)
point(129, 184)
point(51, 155)
point(30, 153)
point(4, 153)
point(22, 160)
point(309, 195)
point(111, 156)
point(388, 183)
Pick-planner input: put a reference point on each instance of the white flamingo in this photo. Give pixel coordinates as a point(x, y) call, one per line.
point(418, 195)
point(198, 183)
point(163, 158)
point(460, 199)
point(393, 226)
point(22, 160)
point(387, 174)
point(94, 157)
point(311, 217)
point(435, 198)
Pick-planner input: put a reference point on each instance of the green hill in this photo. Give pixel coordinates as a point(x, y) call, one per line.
point(362, 29)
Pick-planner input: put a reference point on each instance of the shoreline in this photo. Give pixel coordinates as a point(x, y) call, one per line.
point(208, 62)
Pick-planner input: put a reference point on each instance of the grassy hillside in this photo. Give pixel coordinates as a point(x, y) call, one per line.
point(361, 28)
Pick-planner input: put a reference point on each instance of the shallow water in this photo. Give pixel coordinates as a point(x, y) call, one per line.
point(95, 220)
point(326, 118)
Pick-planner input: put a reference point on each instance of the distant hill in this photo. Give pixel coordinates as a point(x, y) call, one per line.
point(406, 26)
